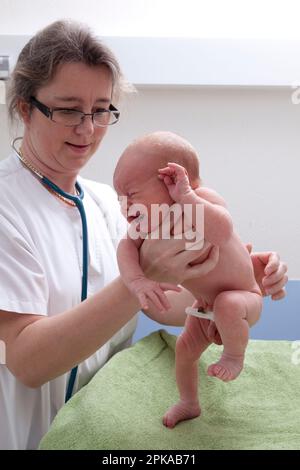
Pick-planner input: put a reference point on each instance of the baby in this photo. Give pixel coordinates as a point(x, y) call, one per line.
point(163, 168)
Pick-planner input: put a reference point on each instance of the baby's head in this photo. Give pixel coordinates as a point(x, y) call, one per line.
point(136, 173)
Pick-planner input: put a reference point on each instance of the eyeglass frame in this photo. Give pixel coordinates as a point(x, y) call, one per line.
point(48, 112)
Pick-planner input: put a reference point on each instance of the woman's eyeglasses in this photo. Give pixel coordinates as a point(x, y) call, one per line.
point(72, 117)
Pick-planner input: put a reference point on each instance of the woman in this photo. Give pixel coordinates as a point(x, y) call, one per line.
point(64, 88)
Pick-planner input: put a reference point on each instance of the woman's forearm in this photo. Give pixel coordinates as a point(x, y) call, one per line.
point(51, 346)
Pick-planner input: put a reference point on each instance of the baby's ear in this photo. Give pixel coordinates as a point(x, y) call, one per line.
point(249, 247)
point(196, 183)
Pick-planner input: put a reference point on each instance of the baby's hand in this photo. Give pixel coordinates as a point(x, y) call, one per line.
point(176, 179)
point(146, 289)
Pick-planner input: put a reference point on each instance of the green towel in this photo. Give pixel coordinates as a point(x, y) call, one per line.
point(123, 405)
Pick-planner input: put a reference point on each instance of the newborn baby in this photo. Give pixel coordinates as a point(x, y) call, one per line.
point(163, 168)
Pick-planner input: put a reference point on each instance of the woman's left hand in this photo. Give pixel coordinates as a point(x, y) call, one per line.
point(270, 273)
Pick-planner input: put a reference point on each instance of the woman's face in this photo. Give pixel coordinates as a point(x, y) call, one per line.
point(77, 86)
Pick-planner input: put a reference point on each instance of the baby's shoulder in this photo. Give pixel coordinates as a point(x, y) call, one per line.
point(210, 195)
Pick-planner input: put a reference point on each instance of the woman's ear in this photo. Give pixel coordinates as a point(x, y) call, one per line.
point(24, 109)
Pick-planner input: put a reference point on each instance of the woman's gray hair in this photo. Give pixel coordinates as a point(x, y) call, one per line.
point(61, 42)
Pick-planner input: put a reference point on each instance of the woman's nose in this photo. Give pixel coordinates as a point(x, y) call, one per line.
point(86, 126)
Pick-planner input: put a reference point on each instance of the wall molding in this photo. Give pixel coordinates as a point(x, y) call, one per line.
point(197, 62)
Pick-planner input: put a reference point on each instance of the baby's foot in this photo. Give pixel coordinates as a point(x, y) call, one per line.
point(180, 412)
point(227, 368)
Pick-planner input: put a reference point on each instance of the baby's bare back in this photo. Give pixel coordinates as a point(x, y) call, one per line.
point(234, 271)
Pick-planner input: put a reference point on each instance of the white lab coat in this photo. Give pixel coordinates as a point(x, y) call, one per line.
point(40, 273)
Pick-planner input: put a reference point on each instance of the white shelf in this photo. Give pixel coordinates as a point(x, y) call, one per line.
point(197, 62)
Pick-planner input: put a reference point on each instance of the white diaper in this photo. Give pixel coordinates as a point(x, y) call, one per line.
point(200, 313)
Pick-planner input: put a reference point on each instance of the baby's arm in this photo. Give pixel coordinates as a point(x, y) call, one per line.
point(133, 276)
point(217, 220)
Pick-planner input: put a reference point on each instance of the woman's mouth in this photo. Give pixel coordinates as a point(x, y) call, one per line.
point(78, 148)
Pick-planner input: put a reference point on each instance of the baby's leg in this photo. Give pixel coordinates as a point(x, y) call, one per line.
point(234, 312)
point(189, 347)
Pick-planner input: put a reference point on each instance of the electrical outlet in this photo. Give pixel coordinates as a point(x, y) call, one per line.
point(4, 66)
point(2, 94)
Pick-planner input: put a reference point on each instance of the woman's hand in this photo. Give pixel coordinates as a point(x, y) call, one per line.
point(167, 260)
point(270, 273)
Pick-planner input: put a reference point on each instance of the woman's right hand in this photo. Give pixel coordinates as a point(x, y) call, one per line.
point(168, 260)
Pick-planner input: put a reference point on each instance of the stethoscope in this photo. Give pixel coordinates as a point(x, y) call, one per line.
point(79, 204)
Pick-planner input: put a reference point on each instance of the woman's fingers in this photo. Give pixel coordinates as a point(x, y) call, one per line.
point(168, 286)
point(276, 287)
point(273, 264)
point(279, 295)
point(188, 253)
point(163, 300)
point(159, 300)
point(169, 260)
point(270, 260)
point(143, 302)
point(275, 277)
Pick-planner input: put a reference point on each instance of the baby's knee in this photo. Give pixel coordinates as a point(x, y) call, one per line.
point(187, 347)
point(184, 344)
point(228, 305)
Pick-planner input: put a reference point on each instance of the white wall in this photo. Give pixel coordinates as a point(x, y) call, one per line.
point(247, 138)
point(178, 18)
point(248, 142)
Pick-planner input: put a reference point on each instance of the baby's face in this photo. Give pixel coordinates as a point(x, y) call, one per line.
point(139, 190)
